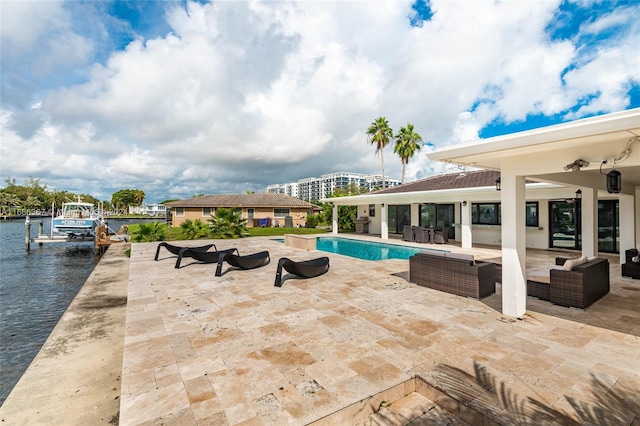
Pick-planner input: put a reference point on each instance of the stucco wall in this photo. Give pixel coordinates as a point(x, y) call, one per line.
point(299, 216)
point(482, 234)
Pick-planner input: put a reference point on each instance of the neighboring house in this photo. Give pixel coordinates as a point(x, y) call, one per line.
point(258, 209)
point(149, 209)
point(574, 185)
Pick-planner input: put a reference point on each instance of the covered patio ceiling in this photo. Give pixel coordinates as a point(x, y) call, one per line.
point(542, 154)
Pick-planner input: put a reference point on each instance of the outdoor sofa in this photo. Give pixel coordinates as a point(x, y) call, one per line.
point(577, 284)
point(454, 273)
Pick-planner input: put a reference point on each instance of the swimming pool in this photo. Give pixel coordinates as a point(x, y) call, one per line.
point(367, 250)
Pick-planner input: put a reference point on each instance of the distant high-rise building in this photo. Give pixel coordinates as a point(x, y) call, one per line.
point(313, 189)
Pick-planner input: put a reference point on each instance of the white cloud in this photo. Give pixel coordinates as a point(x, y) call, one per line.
point(240, 95)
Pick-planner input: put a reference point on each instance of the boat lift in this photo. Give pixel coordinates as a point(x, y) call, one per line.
point(101, 239)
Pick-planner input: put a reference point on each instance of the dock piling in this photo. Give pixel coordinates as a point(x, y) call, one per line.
point(27, 234)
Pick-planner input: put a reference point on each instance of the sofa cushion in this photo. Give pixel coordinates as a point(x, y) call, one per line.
point(434, 252)
point(572, 263)
point(461, 256)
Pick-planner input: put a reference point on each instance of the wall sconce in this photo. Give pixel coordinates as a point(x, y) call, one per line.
point(382, 204)
point(576, 165)
point(464, 203)
point(498, 184)
point(579, 194)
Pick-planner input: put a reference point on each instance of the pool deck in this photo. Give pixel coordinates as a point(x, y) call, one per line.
point(235, 350)
point(196, 349)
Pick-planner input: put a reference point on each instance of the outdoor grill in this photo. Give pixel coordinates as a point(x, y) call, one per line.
point(362, 225)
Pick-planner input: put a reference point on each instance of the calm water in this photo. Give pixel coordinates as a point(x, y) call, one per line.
point(365, 249)
point(36, 288)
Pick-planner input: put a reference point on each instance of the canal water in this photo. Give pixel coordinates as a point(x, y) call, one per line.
point(36, 288)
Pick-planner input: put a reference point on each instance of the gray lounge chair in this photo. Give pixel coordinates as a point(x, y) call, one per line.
point(441, 237)
point(305, 268)
point(203, 256)
point(173, 249)
point(249, 261)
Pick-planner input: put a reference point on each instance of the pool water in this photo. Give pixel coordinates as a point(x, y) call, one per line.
point(365, 249)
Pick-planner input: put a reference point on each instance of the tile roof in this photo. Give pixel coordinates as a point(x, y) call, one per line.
point(472, 179)
point(242, 200)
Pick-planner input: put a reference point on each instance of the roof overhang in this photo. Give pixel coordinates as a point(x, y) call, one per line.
point(485, 193)
point(542, 153)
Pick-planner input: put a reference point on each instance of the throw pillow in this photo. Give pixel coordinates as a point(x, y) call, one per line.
point(572, 263)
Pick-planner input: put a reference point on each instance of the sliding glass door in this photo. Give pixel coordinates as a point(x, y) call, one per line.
point(398, 217)
point(608, 230)
point(564, 217)
point(439, 215)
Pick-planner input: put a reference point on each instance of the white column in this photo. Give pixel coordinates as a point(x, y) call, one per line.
point(384, 226)
point(514, 267)
point(589, 221)
point(334, 222)
point(415, 214)
point(637, 220)
point(626, 225)
point(465, 221)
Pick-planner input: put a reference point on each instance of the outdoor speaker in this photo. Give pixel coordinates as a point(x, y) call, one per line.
point(614, 182)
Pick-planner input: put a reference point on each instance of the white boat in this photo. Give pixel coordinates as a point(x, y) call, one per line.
point(77, 219)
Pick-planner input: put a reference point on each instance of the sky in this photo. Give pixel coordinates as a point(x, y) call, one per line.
point(179, 98)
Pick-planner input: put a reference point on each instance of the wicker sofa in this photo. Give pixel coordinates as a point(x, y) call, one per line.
point(579, 287)
point(453, 273)
point(630, 269)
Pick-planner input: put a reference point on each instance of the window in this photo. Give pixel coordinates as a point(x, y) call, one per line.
point(372, 210)
point(531, 211)
point(206, 211)
point(491, 214)
point(280, 212)
point(179, 211)
point(485, 214)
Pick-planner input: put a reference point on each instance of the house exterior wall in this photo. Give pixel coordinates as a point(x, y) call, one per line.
point(298, 215)
point(481, 234)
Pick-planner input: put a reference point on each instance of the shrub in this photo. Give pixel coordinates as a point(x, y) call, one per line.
point(312, 221)
point(194, 229)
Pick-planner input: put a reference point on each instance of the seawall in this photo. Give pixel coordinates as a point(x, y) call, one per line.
point(75, 378)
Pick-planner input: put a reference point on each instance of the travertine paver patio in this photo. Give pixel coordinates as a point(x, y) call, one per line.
point(204, 350)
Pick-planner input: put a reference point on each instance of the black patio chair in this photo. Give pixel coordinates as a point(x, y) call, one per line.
point(305, 269)
point(203, 256)
point(249, 261)
point(176, 249)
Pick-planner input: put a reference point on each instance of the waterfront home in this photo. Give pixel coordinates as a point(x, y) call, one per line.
point(154, 209)
point(574, 185)
point(258, 209)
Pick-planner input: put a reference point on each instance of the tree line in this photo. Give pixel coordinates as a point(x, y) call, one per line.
point(33, 195)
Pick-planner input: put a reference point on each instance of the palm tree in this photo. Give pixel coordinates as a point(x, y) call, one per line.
point(194, 229)
point(227, 223)
point(407, 143)
point(138, 196)
point(154, 231)
point(379, 134)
